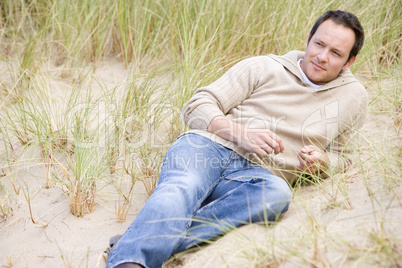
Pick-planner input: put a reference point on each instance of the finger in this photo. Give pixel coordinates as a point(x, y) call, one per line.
point(273, 145)
point(267, 148)
point(278, 140)
point(304, 165)
point(307, 167)
point(274, 142)
point(301, 161)
point(304, 155)
point(308, 149)
point(311, 158)
point(261, 152)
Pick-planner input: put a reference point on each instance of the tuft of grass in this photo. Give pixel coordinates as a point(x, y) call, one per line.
point(5, 208)
point(121, 209)
point(10, 261)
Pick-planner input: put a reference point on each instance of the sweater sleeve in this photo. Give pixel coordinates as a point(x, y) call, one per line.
point(221, 96)
point(340, 150)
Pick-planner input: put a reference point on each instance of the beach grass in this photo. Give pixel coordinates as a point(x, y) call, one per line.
point(86, 131)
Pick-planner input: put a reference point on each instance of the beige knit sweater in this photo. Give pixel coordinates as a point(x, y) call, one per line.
point(268, 92)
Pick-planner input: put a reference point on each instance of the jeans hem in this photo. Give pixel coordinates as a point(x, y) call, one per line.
point(129, 261)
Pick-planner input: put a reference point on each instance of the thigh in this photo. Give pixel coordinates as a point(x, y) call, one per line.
point(240, 171)
point(192, 167)
point(192, 156)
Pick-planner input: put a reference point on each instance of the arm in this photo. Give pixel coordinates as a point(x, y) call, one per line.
point(259, 141)
point(207, 108)
point(226, 93)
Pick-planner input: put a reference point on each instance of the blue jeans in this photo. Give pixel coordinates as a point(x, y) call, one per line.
point(204, 190)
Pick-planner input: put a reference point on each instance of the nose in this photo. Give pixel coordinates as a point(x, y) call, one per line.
point(323, 55)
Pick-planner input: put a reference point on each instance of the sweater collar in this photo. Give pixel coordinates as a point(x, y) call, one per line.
point(289, 61)
point(305, 78)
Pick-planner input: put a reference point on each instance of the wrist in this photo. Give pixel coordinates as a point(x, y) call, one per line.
point(225, 128)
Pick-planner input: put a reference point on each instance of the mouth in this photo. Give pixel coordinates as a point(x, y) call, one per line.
point(317, 66)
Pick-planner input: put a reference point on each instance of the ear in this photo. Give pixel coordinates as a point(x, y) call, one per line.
point(349, 63)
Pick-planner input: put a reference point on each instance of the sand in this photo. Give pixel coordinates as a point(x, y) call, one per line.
point(322, 227)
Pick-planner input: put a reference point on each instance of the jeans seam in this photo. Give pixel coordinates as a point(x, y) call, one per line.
point(194, 210)
point(205, 195)
point(232, 155)
point(219, 199)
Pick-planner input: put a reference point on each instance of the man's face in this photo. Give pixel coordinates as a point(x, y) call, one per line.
point(327, 52)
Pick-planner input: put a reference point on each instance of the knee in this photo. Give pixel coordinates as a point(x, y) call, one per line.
point(286, 192)
point(278, 198)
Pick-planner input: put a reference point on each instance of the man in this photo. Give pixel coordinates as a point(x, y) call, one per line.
point(254, 130)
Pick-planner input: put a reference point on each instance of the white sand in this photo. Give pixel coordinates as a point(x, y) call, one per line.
point(311, 228)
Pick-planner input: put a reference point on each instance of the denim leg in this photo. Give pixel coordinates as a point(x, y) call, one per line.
point(247, 194)
point(191, 170)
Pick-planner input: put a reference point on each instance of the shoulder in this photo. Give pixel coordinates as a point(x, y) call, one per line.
point(252, 66)
point(289, 58)
point(256, 61)
point(349, 83)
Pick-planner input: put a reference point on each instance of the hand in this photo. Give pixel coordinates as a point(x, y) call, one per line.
point(260, 141)
point(312, 159)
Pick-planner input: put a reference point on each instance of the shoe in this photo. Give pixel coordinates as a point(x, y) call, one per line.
point(112, 241)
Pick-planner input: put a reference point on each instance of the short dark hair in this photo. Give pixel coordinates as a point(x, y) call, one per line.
point(346, 19)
